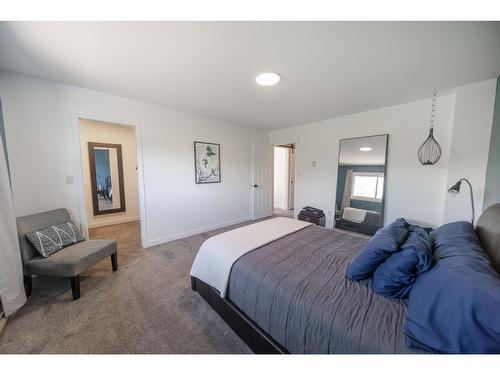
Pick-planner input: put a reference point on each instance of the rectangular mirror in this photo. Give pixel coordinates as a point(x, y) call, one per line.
point(106, 176)
point(360, 195)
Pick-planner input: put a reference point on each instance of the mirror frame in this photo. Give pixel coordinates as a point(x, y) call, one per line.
point(382, 216)
point(93, 177)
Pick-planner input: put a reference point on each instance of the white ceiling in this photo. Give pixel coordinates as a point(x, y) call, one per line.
point(328, 69)
point(350, 153)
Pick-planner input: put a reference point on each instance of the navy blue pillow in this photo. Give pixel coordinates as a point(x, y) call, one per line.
point(455, 307)
point(456, 239)
point(395, 277)
point(385, 242)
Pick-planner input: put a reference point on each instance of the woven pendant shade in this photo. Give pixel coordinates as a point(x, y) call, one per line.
point(430, 151)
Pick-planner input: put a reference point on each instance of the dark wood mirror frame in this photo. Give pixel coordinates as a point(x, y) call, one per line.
point(93, 177)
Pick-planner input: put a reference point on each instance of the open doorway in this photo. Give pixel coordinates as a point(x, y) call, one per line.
point(284, 176)
point(110, 181)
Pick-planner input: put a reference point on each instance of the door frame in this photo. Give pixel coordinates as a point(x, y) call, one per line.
point(294, 141)
point(291, 179)
point(82, 207)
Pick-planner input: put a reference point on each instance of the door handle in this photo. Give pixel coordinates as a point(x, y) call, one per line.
point(255, 186)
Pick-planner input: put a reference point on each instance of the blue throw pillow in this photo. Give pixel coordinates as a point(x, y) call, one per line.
point(385, 242)
point(395, 277)
point(455, 307)
point(457, 239)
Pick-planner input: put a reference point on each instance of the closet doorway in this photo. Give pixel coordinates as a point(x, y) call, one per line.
point(110, 181)
point(284, 179)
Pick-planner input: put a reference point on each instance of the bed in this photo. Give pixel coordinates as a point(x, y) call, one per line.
point(291, 295)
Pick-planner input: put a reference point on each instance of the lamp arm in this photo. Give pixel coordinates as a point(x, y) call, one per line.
point(471, 198)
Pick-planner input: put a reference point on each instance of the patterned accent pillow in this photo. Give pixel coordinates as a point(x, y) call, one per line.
point(52, 239)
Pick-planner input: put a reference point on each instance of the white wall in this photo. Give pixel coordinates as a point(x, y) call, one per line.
point(413, 191)
point(103, 132)
point(492, 188)
point(281, 177)
point(42, 139)
point(469, 147)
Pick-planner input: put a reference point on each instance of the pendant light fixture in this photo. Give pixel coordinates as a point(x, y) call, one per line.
point(430, 151)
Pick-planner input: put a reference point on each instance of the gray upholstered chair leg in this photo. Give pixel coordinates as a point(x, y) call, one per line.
point(27, 285)
point(75, 286)
point(114, 261)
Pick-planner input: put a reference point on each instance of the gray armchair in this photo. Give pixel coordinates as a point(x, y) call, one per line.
point(68, 262)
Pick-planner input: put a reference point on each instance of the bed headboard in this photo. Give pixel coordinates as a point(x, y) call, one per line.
point(488, 229)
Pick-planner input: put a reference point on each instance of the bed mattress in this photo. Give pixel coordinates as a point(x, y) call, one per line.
point(295, 289)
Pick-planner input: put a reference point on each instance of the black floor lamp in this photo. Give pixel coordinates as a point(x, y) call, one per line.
point(455, 189)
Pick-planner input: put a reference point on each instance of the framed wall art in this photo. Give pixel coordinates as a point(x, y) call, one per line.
point(207, 162)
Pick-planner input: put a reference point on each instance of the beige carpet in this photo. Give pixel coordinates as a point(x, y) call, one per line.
point(147, 306)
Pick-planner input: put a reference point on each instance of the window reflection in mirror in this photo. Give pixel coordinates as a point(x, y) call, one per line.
point(367, 186)
point(360, 191)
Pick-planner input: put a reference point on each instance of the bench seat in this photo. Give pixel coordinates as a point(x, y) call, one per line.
point(72, 260)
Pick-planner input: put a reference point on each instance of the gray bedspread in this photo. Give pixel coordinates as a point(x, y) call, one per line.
point(295, 289)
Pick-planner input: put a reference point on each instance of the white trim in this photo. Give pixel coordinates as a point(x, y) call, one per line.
point(289, 141)
point(369, 174)
point(193, 232)
point(84, 226)
point(291, 179)
point(114, 221)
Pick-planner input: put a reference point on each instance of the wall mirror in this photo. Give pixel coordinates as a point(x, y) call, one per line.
point(360, 195)
point(106, 176)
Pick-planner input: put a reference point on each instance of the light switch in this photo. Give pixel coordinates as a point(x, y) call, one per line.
point(314, 163)
point(69, 180)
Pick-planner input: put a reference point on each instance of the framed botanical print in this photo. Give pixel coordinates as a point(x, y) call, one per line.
point(206, 162)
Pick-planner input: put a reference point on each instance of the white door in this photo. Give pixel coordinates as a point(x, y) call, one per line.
point(262, 180)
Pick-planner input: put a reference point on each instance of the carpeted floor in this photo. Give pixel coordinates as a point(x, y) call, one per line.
point(147, 306)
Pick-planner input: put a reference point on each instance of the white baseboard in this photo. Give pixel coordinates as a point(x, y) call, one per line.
point(174, 237)
point(120, 220)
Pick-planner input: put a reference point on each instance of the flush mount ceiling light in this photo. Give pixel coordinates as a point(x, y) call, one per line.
point(267, 79)
point(365, 149)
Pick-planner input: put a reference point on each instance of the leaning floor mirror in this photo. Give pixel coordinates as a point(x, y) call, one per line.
point(106, 176)
point(360, 194)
